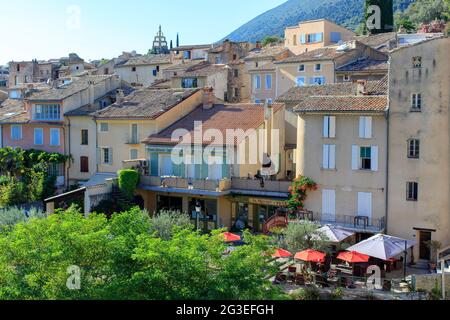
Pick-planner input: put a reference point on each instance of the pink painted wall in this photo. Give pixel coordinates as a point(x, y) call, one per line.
point(27, 141)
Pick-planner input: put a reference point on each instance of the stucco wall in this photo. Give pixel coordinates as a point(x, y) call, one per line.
point(143, 74)
point(431, 126)
point(346, 182)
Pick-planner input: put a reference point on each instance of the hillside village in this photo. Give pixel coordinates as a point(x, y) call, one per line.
point(365, 117)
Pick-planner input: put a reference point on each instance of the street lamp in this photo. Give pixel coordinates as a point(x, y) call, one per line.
point(198, 210)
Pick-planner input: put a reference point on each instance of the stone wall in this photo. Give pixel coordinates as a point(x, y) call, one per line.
point(428, 282)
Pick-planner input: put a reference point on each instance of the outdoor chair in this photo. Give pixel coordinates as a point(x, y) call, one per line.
point(299, 280)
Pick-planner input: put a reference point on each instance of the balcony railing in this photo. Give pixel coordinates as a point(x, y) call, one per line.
point(258, 185)
point(188, 184)
point(217, 185)
point(354, 222)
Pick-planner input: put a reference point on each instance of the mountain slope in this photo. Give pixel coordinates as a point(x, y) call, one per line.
point(348, 13)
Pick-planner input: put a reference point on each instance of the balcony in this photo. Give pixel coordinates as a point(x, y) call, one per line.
point(235, 185)
point(187, 184)
point(274, 186)
point(352, 222)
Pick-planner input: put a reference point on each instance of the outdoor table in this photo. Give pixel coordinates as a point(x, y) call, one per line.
point(365, 221)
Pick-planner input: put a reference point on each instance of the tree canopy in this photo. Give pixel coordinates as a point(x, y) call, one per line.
point(124, 258)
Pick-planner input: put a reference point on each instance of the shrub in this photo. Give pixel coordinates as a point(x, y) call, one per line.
point(308, 294)
point(128, 181)
point(13, 193)
point(12, 216)
point(165, 223)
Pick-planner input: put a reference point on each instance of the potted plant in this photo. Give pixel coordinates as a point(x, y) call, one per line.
point(434, 247)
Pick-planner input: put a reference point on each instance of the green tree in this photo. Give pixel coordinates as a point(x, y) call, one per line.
point(424, 11)
point(128, 181)
point(305, 235)
point(270, 40)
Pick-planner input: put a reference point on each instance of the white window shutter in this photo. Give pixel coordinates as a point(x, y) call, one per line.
point(362, 129)
point(365, 204)
point(368, 128)
point(326, 131)
point(332, 127)
point(329, 203)
point(110, 156)
point(326, 157)
point(374, 158)
point(332, 157)
point(355, 157)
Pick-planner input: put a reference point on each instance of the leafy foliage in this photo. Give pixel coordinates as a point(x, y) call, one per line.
point(123, 258)
point(269, 40)
point(299, 192)
point(305, 235)
point(128, 181)
point(164, 223)
point(12, 216)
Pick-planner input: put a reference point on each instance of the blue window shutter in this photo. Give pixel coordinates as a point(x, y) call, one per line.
point(179, 170)
point(154, 164)
point(204, 170)
point(198, 171)
point(303, 39)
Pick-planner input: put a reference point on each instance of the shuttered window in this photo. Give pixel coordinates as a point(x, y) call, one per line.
point(365, 158)
point(329, 127)
point(84, 164)
point(329, 157)
point(412, 191)
point(365, 127)
point(328, 205)
point(365, 204)
point(84, 137)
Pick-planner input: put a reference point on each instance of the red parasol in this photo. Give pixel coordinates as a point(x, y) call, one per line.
point(311, 256)
point(230, 237)
point(280, 253)
point(353, 257)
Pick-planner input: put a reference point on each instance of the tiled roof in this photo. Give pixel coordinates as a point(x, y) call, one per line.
point(86, 110)
point(221, 117)
point(298, 94)
point(145, 104)
point(267, 66)
point(377, 41)
point(192, 47)
point(365, 65)
point(13, 111)
point(265, 53)
point(343, 104)
point(64, 91)
point(203, 69)
point(315, 55)
point(147, 60)
point(183, 66)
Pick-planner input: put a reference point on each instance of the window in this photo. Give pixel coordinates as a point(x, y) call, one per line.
point(303, 39)
point(134, 154)
point(166, 165)
point(187, 55)
point(365, 204)
point(268, 81)
point(365, 158)
point(157, 68)
point(417, 62)
point(413, 148)
point(154, 73)
point(301, 68)
point(269, 101)
point(234, 57)
point(218, 60)
point(335, 37)
point(347, 78)
point(16, 132)
point(416, 102)
point(294, 40)
point(107, 156)
point(84, 164)
point(329, 157)
point(55, 137)
point(134, 134)
point(257, 101)
point(104, 127)
point(133, 69)
point(314, 37)
point(47, 112)
point(300, 81)
point(189, 83)
point(236, 73)
point(329, 127)
point(329, 205)
point(257, 83)
point(365, 127)
point(84, 137)
point(236, 92)
point(256, 64)
point(412, 191)
point(318, 81)
point(317, 67)
point(38, 136)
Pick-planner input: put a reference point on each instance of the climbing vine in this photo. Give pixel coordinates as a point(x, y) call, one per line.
point(299, 192)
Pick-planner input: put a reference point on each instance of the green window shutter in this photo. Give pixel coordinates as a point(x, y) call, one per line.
point(225, 168)
point(204, 170)
point(179, 170)
point(154, 170)
point(111, 156)
point(198, 171)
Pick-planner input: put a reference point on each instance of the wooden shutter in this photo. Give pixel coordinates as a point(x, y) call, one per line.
point(110, 156)
point(326, 126)
point(365, 204)
point(374, 158)
point(332, 130)
point(355, 157)
point(154, 165)
point(326, 157)
point(368, 128)
point(329, 204)
point(332, 157)
point(362, 130)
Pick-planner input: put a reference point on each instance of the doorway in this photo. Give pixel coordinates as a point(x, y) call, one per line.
point(425, 238)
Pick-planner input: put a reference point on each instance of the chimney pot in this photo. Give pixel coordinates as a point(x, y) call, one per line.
point(120, 96)
point(360, 87)
point(208, 98)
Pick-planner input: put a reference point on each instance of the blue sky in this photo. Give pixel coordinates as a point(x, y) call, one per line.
point(44, 29)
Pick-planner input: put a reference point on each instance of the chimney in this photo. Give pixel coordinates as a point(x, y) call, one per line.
point(268, 110)
point(120, 96)
point(91, 92)
point(208, 98)
point(360, 88)
point(258, 45)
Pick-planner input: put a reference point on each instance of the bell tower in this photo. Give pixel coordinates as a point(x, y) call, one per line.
point(160, 45)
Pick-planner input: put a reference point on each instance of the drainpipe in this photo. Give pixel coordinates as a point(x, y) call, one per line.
point(70, 151)
point(387, 167)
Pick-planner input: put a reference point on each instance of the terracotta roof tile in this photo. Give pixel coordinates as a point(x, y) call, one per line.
point(365, 65)
point(146, 104)
point(13, 111)
point(220, 117)
point(147, 60)
point(265, 53)
point(343, 104)
point(315, 55)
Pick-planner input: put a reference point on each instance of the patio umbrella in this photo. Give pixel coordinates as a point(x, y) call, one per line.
point(311, 256)
point(280, 253)
point(353, 257)
point(335, 234)
point(383, 247)
point(230, 237)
